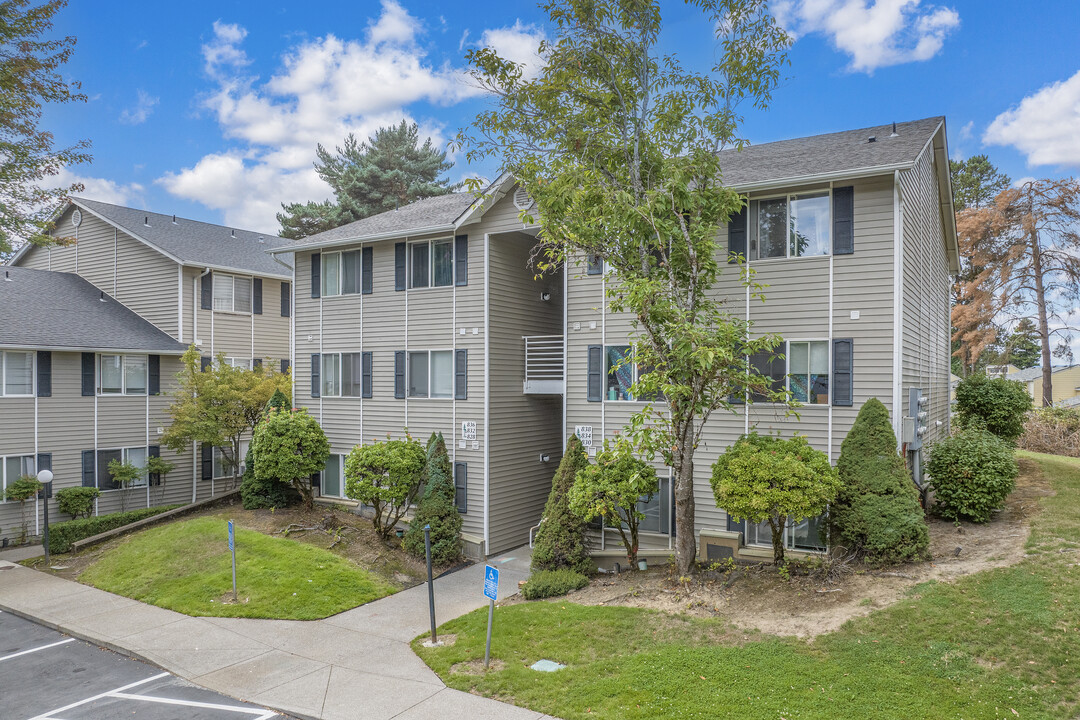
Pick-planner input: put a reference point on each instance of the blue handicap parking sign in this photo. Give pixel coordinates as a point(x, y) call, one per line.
point(491, 582)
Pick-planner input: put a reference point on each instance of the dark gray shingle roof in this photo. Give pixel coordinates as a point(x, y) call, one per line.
point(840, 152)
point(193, 242)
point(437, 211)
point(48, 309)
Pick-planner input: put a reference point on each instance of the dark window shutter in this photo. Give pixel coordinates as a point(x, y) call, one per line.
point(461, 260)
point(461, 374)
point(286, 301)
point(207, 461)
point(44, 461)
point(88, 384)
point(316, 274)
point(315, 379)
point(399, 374)
point(154, 451)
point(89, 467)
point(734, 525)
point(843, 220)
point(595, 373)
point(350, 272)
point(208, 290)
point(399, 266)
point(365, 374)
point(736, 234)
point(284, 365)
point(256, 296)
point(256, 363)
point(461, 495)
point(366, 270)
point(594, 265)
point(842, 380)
point(44, 373)
point(153, 372)
point(205, 361)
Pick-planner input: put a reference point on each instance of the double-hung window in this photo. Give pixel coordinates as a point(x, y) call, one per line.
point(134, 455)
point(803, 373)
point(791, 226)
point(224, 462)
point(622, 372)
point(431, 374)
point(343, 375)
point(232, 293)
point(17, 376)
point(330, 373)
point(431, 263)
point(238, 362)
point(122, 374)
point(14, 467)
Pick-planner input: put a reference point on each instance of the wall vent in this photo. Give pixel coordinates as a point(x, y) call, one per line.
point(522, 201)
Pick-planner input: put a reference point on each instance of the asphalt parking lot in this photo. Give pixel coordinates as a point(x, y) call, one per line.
point(45, 675)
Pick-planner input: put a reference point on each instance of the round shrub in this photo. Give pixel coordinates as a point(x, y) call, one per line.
point(997, 404)
point(552, 583)
point(77, 501)
point(971, 473)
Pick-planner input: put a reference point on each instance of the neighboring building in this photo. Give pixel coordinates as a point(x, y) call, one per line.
point(189, 282)
point(429, 317)
point(1065, 382)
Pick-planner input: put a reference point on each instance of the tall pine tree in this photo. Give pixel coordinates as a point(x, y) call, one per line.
point(388, 171)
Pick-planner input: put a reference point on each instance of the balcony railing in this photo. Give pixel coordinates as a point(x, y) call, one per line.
point(544, 364)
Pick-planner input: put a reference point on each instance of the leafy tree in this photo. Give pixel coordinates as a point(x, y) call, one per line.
point(766, 478)
point(1023, 348)
point(160, 468)
point(560, 541)
point(995, 404)
point(619, 147)
point(289, 446)
point(77, 501)
point(1026, 250)
point(22, 490)
point(436, 508)
point(391, 169)
point(31, 77)
point(611, 488)
point(256, 493)
point(877, 509)
point(218, 406)
point(387, 476)
point(124, 474)
point(972, 473)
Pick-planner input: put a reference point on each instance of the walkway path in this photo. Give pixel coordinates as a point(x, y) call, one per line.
point(357, 664)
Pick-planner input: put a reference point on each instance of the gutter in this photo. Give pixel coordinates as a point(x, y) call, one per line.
point(852, 174)
point(77, 349)
point(392, 234)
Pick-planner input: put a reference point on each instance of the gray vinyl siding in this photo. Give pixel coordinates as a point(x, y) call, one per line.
point(244, 335)
point(67, 423)
point(522, 426)
point(926, 283)
point(796, 307)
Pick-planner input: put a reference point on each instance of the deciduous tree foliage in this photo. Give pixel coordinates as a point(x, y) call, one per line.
point(386, 476)
point(30, 77)
point(390, 170)
point(618, 146)
point(1026, 250)
point(289, 447)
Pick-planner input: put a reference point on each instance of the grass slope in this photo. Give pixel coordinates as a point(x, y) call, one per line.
point(1000, 644)
point(185, 566)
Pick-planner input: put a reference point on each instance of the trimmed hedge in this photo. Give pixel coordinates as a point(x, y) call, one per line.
point(552, 583)
point(63, 534)
point(971, 473)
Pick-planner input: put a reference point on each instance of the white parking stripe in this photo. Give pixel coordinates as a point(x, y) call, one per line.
point(34, 650)
point(188, 703)
point(51, 713)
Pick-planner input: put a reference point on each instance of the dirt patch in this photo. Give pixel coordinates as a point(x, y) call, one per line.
point(757, 597)
point(476, 667)
point(336, 529)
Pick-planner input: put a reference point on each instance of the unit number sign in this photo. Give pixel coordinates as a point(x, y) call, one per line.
point(468, 430)
point(584, 433)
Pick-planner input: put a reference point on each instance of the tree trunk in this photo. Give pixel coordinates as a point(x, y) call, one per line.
point(685, 537)
point(1044, 330)
point(776, 525)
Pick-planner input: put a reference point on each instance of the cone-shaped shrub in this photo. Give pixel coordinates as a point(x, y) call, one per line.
point(560, 541)
point(436, 508)
point(877, 510)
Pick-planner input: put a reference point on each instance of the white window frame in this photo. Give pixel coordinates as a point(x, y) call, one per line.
point(788, 537)
point(323, 375)
point(238, 362)
point(3, 373)
point(787, 370)
point(637, 374)
point(123, 375)
point(431, 375)
point(752, 225)
point(219, 279)
point(125, 456)
point(325, 291)
point(217, 458)
point(431, 263)
point(5, 481)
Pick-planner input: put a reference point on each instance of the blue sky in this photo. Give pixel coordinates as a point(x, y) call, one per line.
point(212, 110)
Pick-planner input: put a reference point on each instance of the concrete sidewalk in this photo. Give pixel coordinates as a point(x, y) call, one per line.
point(357, 664)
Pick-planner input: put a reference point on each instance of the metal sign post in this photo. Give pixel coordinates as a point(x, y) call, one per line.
point(430, 586)
point(491, 591)
point(232, 549)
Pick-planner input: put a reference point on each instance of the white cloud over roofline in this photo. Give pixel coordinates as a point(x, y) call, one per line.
point(1043, 126)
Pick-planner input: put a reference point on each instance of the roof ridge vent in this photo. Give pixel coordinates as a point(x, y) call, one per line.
point(894, 133)
point(232, 233)
point(174, 219)
point(146, 220)
point(101, 296)
point(7, 275)
point(872, 138)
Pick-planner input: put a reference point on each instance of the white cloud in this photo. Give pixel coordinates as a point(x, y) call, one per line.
point(967, 130)
point(222, 51)
point(107, 191)
point(1043, 126)
point(137, 114)
point(518, 43)
point(875, 33)
point(395, 25)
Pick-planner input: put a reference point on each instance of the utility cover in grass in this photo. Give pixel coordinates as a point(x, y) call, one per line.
point(546, 666)
point(186, 566)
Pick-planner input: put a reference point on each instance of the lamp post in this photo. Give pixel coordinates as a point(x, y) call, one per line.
point(45, 478)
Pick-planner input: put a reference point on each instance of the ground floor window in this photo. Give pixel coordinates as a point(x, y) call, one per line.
point(223, 463)
point(135, 455)
point(14, 467)
point(807, 534)
point(659, 510)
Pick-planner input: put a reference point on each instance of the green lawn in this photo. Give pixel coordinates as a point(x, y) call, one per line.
point(1000, 644)
point(185, 566)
